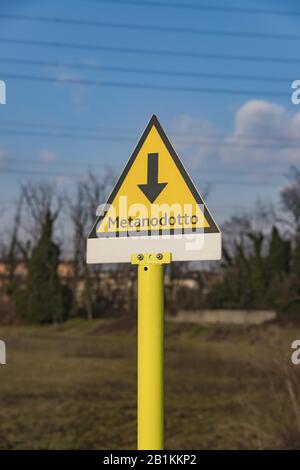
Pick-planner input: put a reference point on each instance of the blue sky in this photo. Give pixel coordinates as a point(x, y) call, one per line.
point(240, 144)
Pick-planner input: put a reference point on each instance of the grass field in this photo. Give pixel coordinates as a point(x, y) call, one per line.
point(74, 387)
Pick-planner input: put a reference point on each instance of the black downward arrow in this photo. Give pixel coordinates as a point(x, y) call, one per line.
point(152, 188)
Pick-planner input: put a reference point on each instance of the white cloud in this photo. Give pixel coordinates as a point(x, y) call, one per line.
point(48, 156)
point(263, 132)
point(64, 180)
point(192, 137)
point(64, 76)
point(4, 155)
point(79, 91)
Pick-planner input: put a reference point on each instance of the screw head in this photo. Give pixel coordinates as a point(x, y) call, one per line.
point(140, 257)
point(159, 256)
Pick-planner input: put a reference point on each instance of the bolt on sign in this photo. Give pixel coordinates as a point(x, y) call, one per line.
point(154, 207)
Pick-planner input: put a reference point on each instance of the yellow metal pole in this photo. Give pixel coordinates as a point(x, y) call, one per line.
point(151, 349)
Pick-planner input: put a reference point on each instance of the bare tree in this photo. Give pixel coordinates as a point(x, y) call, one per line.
point(240, 229)
point(290, 199)
point(14, 243)
point(77, 209)
point(38, 200)
point(96, 190)
point(81, 207)
point(10, 247)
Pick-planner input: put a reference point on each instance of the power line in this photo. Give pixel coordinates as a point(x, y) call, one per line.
point(92, 165)
point(147, 27)
point(202, 7)
point(144, 71)
point(39, 173)
point(145, 86)
point(79, 175)
point(133, 132)
point(66, 126)
point(65, 135)
point(55, 163)
point(205, 142)
point(208, 137)
point(159, 52)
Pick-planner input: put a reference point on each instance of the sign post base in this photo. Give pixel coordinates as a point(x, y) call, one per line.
point(151, 349)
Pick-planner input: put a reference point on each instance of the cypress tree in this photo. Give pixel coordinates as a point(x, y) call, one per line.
point(41, 301)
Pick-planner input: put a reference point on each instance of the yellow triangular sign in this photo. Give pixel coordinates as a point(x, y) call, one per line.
point(154, 195)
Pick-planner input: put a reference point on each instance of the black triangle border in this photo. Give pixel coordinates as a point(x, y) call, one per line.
point(213, 228)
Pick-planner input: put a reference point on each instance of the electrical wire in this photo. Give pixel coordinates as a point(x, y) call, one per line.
point(201, 7)
point(144, 71)
point(148, 27)
point(141, 51)
point(146, 86)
